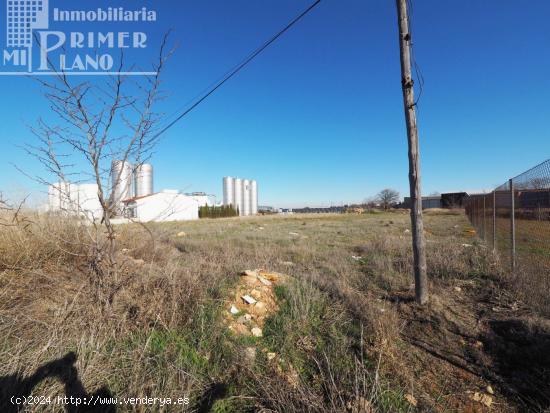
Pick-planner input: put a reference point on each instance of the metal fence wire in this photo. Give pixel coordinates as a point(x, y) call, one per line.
point(515, 220)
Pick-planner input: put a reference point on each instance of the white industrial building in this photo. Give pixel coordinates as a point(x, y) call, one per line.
point(132, 195)
point(202, 198)
point(167, 205)
point(242, 194)
point(79, 199)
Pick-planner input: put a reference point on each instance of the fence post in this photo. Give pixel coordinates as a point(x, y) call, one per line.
point(494, 221)
point(476, 216)
point(484, 226)
point(512, 225)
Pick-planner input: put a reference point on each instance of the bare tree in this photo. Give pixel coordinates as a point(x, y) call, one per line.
point(538, 183)
point(11, 214)
point(387, 198)
point(98, 121)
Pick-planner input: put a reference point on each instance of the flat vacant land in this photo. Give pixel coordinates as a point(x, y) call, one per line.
point(340, 331)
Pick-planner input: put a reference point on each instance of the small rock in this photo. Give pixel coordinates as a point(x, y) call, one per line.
point(487, 400)
point(250, 273)
point(260, 306)
point(234, 310)
point(411, 399)
point(260, 228)
point(271, 276)
point(407, 231)
point(490, 390)
point(248, 299)
point(271, 356)
point(478, 344)
point(250, 354)
point(458, 289)
point(293, 233)
point(181, 234)
point(483, 399)
point(257, 332)
point(243, 319)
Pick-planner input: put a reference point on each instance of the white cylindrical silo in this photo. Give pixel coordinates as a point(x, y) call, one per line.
point(246, 197)
point(253, 197)
point(121, 181)
point(228, 191)
point(143, 177)
point(238, 194)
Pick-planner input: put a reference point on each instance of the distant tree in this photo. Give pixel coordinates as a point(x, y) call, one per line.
point(370, 202)
point(538, 183)
point(387, 198)
point(222, 211)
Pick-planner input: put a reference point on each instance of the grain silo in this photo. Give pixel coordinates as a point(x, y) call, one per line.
point(246, 197)
point(143, 179)
point(121, 181)
point(253, 197)
point(228, 191)
point(238, 194)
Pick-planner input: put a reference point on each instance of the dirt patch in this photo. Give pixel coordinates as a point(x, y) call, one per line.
point(252, 302)
point(481, 349)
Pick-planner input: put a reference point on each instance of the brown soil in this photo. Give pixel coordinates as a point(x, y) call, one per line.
point(258, 284)
point(478, 348)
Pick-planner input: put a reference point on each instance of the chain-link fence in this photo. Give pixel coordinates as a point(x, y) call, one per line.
point(514, 219)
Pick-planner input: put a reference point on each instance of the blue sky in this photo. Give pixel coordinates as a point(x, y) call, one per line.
point(318, 117)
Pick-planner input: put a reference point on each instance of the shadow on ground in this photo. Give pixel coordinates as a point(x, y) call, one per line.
point(215, 392)
point(521, 357)
point(63, 369)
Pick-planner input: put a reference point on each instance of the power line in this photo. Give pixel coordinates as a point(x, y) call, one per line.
point(239, 67)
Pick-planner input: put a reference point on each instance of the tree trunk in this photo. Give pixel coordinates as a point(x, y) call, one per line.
point(420, 277)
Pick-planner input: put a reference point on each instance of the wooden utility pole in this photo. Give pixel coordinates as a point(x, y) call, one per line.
point(420, 277)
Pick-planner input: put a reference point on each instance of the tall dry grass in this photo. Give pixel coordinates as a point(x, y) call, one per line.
point(163, 335)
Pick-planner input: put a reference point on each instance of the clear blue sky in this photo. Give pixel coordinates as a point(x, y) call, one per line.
point(318, 117)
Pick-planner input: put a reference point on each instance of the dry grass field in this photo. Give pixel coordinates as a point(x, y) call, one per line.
point(341, 332)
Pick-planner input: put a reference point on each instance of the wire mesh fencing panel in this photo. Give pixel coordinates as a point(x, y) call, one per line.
point(514, 220)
